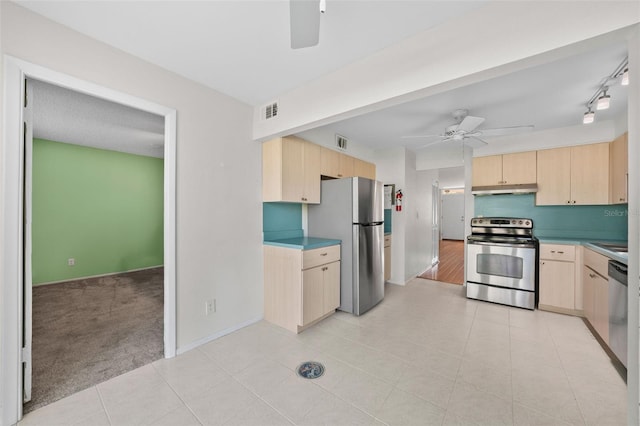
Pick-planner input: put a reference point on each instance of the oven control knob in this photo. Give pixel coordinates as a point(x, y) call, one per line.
point(527, 223)
point(513, 222)
point(520, 223)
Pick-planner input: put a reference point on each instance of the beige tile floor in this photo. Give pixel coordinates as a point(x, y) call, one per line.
point(426, 356)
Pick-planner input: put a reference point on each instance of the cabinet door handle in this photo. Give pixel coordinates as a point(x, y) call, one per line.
point(325, 268)
point(553, 251)
point(621, 199)
point(339, 175)
point(560, 252)
point(323, 254)
point(569, 202)
point(592, 275)
point(574, 201)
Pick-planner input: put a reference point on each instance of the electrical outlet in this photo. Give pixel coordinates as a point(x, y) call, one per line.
point(210, 306)
point(71, 261)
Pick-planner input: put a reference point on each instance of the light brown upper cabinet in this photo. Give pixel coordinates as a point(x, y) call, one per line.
point(337, 165)
point(574, 175)
point(619, 170)
point(364, 169)
point(290, 170)
point(506, 169)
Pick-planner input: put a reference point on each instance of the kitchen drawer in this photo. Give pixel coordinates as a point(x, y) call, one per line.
point(387, 240)
point(558, 252)
point(320, 256)
point(596, 262)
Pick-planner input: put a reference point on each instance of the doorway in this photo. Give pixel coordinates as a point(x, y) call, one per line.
point(449, 214)
point(16, 295)
point(96, 237)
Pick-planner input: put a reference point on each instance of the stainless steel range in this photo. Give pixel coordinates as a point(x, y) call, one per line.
point(502, 261)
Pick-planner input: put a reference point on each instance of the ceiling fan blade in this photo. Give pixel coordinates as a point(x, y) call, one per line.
point(469, 123)
point(506, 130)
point(304, 23)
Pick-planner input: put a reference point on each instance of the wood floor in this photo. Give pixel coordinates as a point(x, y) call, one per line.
point(450, 269)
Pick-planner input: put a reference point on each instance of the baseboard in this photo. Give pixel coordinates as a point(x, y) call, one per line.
point(97, 276)
point(217, 335)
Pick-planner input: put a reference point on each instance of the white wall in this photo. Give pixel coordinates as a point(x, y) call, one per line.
point(493, 40)
point(633, 380)
point(451, 177)
point(390, 169)
point(219, 250)
point(326, 137)
point(411, 247)
point(581, 134)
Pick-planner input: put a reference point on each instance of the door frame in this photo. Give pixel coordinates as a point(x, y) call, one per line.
point(11, 322)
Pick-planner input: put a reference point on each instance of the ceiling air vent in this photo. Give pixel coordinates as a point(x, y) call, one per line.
point(341, 142)
point(270, 111)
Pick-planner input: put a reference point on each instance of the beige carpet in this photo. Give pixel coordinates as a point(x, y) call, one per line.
point(88, 331)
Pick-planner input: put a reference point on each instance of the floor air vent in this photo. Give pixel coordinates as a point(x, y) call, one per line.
point(310, 370)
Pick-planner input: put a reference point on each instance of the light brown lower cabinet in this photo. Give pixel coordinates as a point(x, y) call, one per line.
point(301, 287)
point(596, 292)
point(557, 284)
point(557, 275)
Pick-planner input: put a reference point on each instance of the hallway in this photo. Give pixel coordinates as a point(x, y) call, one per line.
point(450, 269)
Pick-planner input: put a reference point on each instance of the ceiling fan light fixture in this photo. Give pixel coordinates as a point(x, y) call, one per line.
point(604, 101)
point(624, 81)
point(589, 116)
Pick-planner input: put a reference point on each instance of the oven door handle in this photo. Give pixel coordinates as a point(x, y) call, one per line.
point(492, 243)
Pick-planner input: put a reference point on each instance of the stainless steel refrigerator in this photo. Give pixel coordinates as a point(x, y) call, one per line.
point(351, 209)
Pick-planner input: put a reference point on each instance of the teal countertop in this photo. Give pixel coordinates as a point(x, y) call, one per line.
point(303, 243)
point(620, 257)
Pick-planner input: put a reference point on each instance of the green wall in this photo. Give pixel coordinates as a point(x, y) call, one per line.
point(102, 208)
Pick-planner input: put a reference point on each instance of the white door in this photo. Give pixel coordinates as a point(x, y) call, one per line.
point(453, 216)
point(26, 241)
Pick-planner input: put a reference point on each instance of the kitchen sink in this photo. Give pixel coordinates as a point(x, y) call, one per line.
point(617, 247)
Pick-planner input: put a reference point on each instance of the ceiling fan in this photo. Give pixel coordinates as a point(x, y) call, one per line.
point(304, 22)
point(466, 127)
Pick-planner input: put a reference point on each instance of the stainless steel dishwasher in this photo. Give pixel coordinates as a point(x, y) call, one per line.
point(618, 310)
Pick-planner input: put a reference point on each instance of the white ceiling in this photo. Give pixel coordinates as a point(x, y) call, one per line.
point(63, 115)
point(241, 48)
point(547, 96)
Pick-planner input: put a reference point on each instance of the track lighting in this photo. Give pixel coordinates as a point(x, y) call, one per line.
point(600, 98)
point(588, 117)
point(604, 100)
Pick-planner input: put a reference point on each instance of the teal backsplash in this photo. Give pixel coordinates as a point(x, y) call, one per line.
point(281, 220)
point(597, 222)
point(387, 221)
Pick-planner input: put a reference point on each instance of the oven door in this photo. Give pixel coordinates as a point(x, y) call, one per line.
point(503, 265)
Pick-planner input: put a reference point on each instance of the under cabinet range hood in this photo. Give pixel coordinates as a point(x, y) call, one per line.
point(524, 188)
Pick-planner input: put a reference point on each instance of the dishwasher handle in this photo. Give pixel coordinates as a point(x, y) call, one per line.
point(618, 272)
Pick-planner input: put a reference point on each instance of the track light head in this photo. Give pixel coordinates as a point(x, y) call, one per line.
point(624, 80)
point(604, 100)
point(589, 116)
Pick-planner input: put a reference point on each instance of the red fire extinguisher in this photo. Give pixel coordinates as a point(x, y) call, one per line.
point(399, 200)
